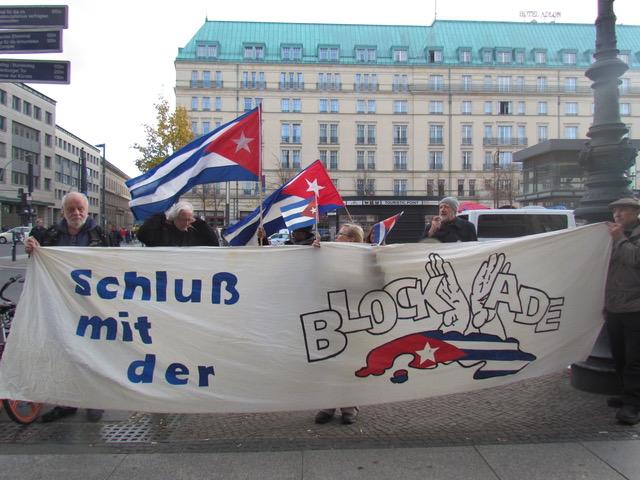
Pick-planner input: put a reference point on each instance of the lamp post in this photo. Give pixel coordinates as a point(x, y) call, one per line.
point(496, 179)
point(606, 158)
point(103, 206)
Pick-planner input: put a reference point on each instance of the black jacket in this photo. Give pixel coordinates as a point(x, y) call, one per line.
point(459, 230)
point(156, 231)
point(91, 235)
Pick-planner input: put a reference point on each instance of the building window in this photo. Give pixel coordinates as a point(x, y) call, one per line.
point(540, 57)
point(400, 83)
point(503, 56)
point(440, 187)
point(366, 82)
point(504, 134)
point(400, 187)
point(253, 52)
point(506, 108)
point(436, 136)
point(365, 134)
point(541, 84)
point(467, 136)
point(487, 55)
point(543, 133)
point(571, 108)
point(291, 53)
point(48, 118)
point(434, 55)
point(371, 159)
point(3, 123)
point(435, 160)
point(521, 108)
point(435, 107)
point(436, 82)
point(488, 108)
point(290, 159)
point(625, 109)
point(570, 84)
point(3, 97)
point(365, 54)
point(253, 80)
point(466, 83)
point(16, 103)
point(206, 127)
point(520, 55)
point(206, 103)
point(290, 133)
point(291, 81)
point(400, 106)
point(467, 160)
point(328, 54)
point(218, 104)
point(571, 132)
point(323, 105)
point(625, 83)
point(464, 56)
point(430, 187)
point(543, 108)
point(329, 81)
point(219, 82)
point(569, 58)
point(328, 133)
point(400, 135)
point(207, 51)
point(460, 187)
point(399, 160)
point(400, 55)
point(335, 106)
point(194, 103)
point(466, 107)
point(504, 84)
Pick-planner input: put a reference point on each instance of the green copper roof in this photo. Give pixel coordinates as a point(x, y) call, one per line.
point(448, 35)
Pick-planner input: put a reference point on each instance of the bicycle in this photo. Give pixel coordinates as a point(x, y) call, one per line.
point(19, 411)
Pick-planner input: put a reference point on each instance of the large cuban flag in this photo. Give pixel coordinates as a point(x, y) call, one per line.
point(311, 181)
point(230, 152)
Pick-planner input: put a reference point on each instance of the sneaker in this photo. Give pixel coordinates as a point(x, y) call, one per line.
point(323, 417)
point(349, 418)
point(94, 415)
point(629, 415)
point(57, 413)
point(615, 402)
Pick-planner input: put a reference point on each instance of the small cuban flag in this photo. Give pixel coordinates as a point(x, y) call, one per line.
point(381, 229)
point(300, 214)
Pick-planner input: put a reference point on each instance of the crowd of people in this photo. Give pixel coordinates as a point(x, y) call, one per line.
point(180, 227)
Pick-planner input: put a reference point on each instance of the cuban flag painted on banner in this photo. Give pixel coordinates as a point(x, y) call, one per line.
point(489, 354)
point(230, 152)
point(300, 214)
point(381, 229)
point(312, 181)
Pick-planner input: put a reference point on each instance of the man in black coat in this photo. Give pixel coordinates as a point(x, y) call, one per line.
point(447, 227)
point(178, 227)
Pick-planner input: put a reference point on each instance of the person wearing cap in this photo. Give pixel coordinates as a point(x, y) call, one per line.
point(447, 227)
point(622, 306)
point(301, 236)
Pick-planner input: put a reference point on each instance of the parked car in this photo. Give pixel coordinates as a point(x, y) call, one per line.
point(21, 234)
point(279, 238)
point(518, 222)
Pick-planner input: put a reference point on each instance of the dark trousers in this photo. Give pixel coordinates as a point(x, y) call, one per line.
point(624, 339)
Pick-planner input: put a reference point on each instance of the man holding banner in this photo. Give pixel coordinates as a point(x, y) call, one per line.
point(622, 305)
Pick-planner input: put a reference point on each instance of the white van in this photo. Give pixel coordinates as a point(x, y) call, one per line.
point(518, 222)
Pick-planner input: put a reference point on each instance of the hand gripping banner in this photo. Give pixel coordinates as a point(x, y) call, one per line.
point(258, 329)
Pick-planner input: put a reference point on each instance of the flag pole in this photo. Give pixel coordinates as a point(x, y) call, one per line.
point(260, 179)
point(317, 233)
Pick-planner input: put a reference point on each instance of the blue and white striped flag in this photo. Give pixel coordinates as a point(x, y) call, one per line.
point(300, 214)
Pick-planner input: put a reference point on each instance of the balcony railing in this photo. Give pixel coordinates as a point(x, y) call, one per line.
point(328, 86)
point(206, 84)
point(505, 142)
point(291, 85)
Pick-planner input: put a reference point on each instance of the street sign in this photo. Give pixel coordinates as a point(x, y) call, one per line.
point(30, 41)
point(22, 16)
point(35, 71)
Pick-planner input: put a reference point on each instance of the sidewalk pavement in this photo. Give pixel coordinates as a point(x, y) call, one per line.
point(540, 429)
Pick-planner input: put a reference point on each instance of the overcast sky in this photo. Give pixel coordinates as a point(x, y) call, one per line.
point(122, 52)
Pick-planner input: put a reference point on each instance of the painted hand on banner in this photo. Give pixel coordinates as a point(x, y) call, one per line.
point(482, 285)
point(458, 316)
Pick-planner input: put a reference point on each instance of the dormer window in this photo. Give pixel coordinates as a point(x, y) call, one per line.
point(504, 56)
point(569, 57)
point(292, 53)
point(487, 55)
point(520, 56)
point(400, 55)
point(207, 50)
point(434, 55)
point(254, 52)
point(365, 54)
point(540, 57)
point(464, 55)
point(328, 54)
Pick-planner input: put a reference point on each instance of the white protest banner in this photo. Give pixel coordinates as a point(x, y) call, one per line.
point(282, 328)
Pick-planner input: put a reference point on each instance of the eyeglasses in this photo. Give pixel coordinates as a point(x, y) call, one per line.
point(342, 234)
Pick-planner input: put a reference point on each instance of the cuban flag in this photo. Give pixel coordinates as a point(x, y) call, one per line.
point(312, 181)
point(230, 152)
point(381, 229)
point(490, 355)
point(300, 214)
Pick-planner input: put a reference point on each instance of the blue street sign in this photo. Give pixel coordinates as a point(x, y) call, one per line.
point(30, 41)
point(35, 71)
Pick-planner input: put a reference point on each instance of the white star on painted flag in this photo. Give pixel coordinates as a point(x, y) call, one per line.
point(242, 143)
point(427, 354)
point(314, 187)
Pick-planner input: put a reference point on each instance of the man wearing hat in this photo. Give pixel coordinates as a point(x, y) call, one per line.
point(622, 306)
point(301, 236)
point(447, 227)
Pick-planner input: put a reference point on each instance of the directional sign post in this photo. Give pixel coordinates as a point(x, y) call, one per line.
point(34, 71)
point(23, 16)
point(30, 41)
